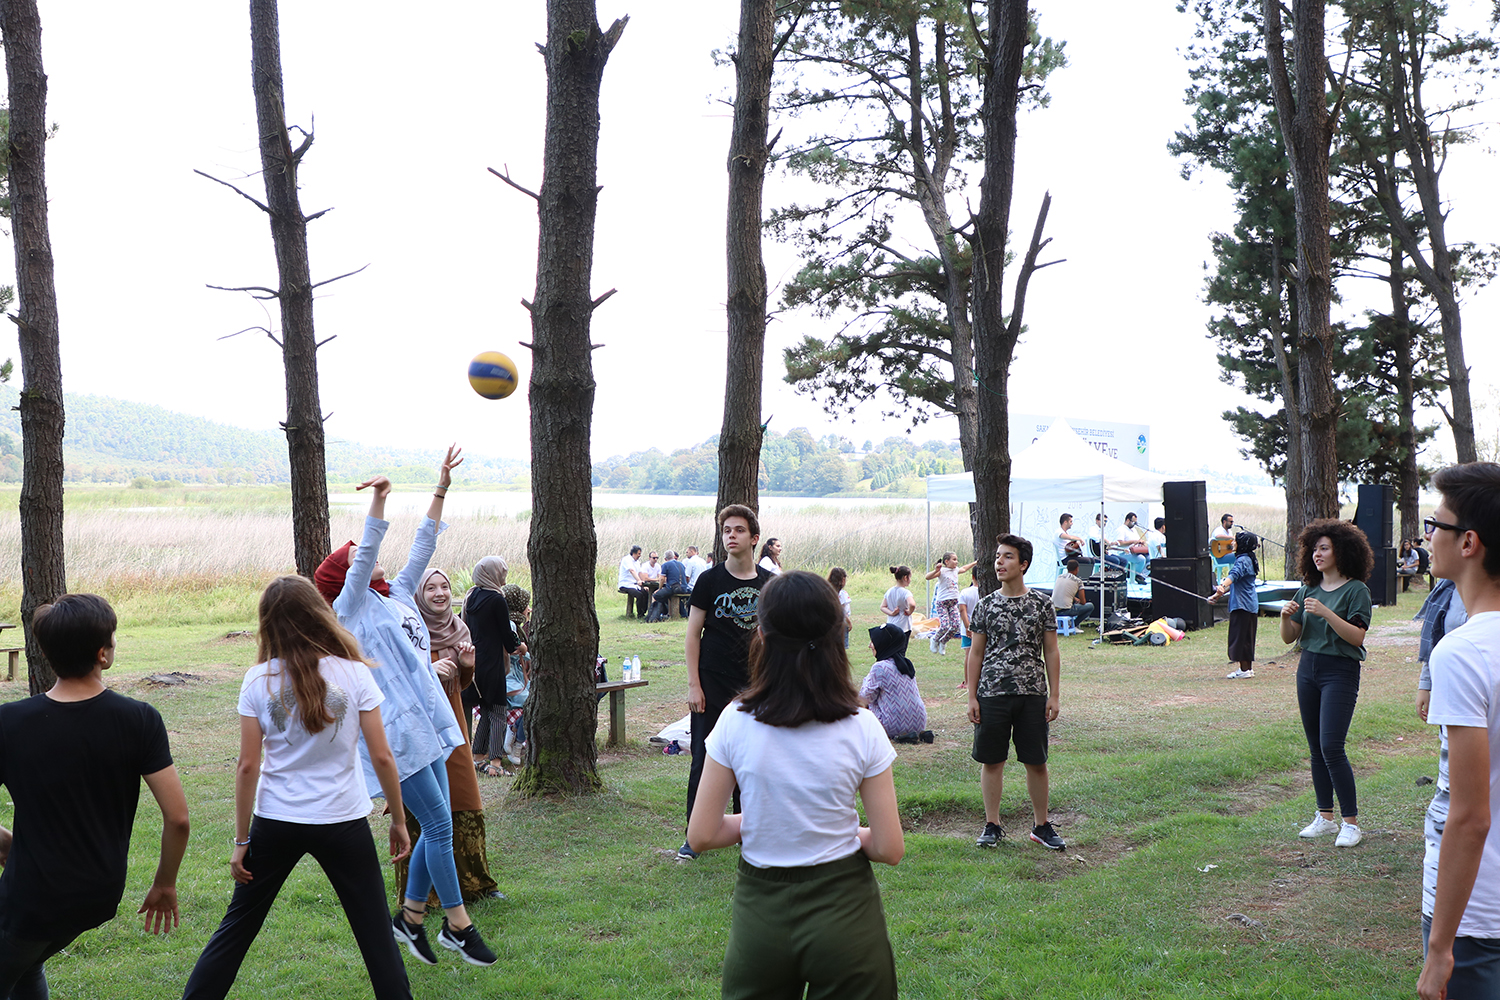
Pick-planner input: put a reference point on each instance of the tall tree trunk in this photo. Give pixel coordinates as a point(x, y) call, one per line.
point(1407, 500)
point(561, 752)
point(994, 343)
point(43, 573)
point(1292, 484)
point(1307, 129)
point(740, 434)
point(299, 346)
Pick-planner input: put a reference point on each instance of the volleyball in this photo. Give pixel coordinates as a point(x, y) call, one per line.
point(493, 375)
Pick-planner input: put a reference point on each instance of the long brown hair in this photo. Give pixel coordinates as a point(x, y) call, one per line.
point(799, 671)
point(298, 628)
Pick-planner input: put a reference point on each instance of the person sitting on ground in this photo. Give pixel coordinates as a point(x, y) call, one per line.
point(1067, 595)
point(674, 584)
point(770, 556)
point(636, 596)
point(72, 760)
point(890, 688)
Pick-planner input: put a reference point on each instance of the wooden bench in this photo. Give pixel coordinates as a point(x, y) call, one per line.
point(13, 654)
point(617, 691)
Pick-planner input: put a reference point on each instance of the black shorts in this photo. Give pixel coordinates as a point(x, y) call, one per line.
point(1004, 718)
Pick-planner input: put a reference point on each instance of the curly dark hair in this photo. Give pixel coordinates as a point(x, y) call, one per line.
point(1351, 550)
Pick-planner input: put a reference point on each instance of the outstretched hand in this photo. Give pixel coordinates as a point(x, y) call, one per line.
point(382, 486)
point(451, 461)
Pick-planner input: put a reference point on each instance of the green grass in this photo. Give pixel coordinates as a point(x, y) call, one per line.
point(1160, 768)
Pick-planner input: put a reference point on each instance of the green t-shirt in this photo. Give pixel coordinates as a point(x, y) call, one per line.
point(1350, 602)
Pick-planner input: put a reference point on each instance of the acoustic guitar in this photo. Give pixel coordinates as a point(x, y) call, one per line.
point(1221, 547)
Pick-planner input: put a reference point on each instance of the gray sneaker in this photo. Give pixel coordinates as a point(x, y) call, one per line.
point(991, 836)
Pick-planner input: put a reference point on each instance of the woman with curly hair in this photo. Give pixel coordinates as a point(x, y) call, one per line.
point(1329, 617)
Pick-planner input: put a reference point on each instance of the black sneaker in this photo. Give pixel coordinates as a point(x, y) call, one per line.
point(1047, 837)
point(467, 942)
point(415, 939)
point(991, 836)
point(686, 853)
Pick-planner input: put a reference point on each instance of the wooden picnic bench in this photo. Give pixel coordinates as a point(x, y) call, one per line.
point(617, 691)
point(12, 654)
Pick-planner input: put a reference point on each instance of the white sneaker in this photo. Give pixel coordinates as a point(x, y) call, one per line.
point(932, 643)
point(942, 649)
point(510, 740)
point(1237, 674)
point(1349, 835)
point(1320, 827)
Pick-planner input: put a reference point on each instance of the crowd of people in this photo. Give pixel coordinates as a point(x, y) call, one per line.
point(365, 687)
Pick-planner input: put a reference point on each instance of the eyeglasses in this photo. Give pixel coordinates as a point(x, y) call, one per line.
point(1431, 524)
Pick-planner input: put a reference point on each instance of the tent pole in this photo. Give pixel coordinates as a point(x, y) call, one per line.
point(1103, 565)
point(929, 548)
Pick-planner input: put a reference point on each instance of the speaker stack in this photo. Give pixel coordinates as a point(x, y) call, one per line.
point(1187, 519)
point(1196, 576)
point(1375, 516)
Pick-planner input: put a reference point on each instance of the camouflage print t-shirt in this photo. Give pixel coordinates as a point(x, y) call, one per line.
point(1013, 627)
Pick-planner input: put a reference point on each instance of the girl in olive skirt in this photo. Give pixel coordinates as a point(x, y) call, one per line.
point(806, 905)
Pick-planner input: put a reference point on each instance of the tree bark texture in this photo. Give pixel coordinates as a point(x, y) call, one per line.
point(299, 347)
point(562, 755)
point(1407, 487)
point(1293, 481)
point(43, 573)
point(1307, 129)
point(740, 434)
point(994, 340)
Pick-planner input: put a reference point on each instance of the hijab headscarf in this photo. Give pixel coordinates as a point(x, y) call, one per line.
point(445, 628)
point(887, 640)
point(330, 574)
point(489, 573)
point(517, 599)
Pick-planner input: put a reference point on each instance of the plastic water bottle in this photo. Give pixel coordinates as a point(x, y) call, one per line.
point(635, 668)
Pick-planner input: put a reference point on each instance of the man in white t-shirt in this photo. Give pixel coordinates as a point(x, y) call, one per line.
point(1130, 534)
point(1066, 544)
point(695, 565)
point(1461, 937)
point(1156, 539)
point(1225, 528)
point(636, 596)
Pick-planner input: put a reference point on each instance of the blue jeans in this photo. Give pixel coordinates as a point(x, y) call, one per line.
point(22, 976)
point(425, 794)
point(1327, 688)
point(1476, 964)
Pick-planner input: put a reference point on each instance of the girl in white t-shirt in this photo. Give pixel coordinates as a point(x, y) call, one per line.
point(837, 577)
point(806, 905)
point(899, 603)
point(298, 788)
point(945, 571)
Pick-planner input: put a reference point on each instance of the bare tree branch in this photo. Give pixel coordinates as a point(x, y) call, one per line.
point(237, 191)
point(506, 178)
point(268, 293)
point(329, 281)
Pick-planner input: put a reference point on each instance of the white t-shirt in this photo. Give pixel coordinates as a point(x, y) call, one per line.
point(769, 565)
point(310, 778)
point(1466, 692)
point(650, 570)
point(628, 569)
point(947, 584)
point(969, 598)
point(1222, 532)
point(798, 784)
point(1156, 544)
point(847, 604)
point(694, 565)
point(899, 597)
point(1060, 545)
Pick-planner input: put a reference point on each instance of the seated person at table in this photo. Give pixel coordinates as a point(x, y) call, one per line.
point(1411, 561)
point(674, 584)
point(1132, 542)
point(636, 596)
point(1067, 595)
point(890, 688)
point(1096, 535)
point(1066, 544)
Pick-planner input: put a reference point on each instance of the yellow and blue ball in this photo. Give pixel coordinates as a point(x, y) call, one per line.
point(493, 375)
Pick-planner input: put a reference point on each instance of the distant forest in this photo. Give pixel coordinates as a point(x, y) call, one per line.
point(794, 463)
point(113, 441)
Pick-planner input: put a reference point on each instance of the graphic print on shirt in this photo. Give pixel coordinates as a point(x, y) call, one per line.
point(739, 606)
point(285, 703)
point(415, 634)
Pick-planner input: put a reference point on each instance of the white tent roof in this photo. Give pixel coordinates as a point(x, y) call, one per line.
point(1060, 468)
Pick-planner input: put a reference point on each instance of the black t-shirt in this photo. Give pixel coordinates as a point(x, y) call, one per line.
point(729, 620)
point(74, 771)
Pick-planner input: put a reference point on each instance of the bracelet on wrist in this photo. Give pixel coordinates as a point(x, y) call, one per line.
point(240, 843)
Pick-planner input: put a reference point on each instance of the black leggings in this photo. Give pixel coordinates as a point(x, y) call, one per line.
point(1327, 688)
point(346, 852)
point(718, 692)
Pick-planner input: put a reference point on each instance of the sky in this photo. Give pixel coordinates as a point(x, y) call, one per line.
point(408, 113)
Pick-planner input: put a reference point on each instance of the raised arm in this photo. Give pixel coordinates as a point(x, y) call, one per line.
point(451, 461)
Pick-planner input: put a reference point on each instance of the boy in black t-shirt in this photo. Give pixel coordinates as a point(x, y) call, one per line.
point(73, 760)
point(722, 621)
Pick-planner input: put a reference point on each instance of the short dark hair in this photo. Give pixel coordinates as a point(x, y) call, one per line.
point(1160, 523)
point(740, 510)
point(799, 671)
point(1225, 517)
point(1072, 565)
point(71, 631)
point(1064, 519)
point(1017, 542)
point(837, 577)
point(1351, 550)
point(1472, 492)
point(635, 550)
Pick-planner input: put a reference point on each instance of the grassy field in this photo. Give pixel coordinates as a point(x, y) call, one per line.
point(1180, 794)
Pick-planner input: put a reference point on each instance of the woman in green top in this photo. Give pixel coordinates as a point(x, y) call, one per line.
point(1329, 617)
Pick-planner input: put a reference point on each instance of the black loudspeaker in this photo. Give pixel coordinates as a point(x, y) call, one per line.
point(1382, 582)
point(1375, 516)
point(1187, 520)
point(1169, 577)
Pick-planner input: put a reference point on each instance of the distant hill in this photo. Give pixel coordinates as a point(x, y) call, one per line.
point(111, 440)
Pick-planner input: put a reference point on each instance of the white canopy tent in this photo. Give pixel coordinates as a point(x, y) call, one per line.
point(1058, 471)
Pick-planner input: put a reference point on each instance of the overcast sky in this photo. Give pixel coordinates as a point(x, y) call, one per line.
point(412, 104)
